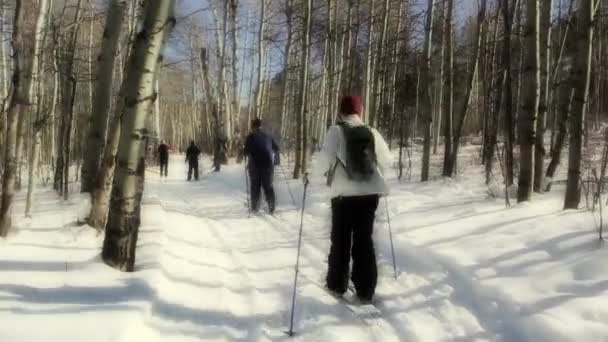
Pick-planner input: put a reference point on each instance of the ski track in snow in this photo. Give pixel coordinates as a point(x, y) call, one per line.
point(469, 269)
point(213, 213)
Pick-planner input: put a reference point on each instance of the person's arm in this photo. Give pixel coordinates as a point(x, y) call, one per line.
point(383, 153)
point(329, 151)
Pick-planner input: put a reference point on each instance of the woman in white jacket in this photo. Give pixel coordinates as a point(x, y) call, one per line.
point(354, 203)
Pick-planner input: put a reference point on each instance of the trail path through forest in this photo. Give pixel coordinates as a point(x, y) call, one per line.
point(469, 269)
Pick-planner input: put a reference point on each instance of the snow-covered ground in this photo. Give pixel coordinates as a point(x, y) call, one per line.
point(469, 268)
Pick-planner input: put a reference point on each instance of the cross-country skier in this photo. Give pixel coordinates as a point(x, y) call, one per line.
point(192, 155)
point(354, 157)
point(163, 158)
point(261, 150)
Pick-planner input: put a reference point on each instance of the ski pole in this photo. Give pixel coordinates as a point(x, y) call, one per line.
point(390, 232)
point(293, 199)
point(297, 269)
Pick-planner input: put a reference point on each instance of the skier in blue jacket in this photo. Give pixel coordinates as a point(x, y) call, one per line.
point(262, 152)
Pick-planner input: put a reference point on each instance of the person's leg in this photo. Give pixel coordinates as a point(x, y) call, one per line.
point(190, 169)
point(269, 189)
point(256, 189)
point(196, 171)
point(163, 168)
point(365, 273)
point(339, 253)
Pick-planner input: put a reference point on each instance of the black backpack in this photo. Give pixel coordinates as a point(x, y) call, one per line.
point(361, 162)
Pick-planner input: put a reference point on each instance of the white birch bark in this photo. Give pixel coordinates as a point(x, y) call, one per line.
point(24, 32)
point(123, 220)
point(302, 108)
point(261, 58)
point(369, 63)
point(34, 93)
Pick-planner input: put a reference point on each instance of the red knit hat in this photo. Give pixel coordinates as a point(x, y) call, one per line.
point(350, 105)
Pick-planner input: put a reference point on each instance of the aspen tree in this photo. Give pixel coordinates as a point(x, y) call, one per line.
point(102, 94)
point(24, 36)
point(124, 217)
point(581, 75)
point(531, 96)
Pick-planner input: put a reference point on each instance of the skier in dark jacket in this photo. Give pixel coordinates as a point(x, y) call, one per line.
point(261, 150)
point(163, 158)
point(192, 154)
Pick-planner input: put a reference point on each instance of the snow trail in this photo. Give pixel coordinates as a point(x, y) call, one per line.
point(469, 268)
point(241, 268)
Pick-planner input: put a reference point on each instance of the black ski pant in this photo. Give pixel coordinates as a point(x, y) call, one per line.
point(351, 234)
point(193, 169)
point(261, 179)
point(164, 165)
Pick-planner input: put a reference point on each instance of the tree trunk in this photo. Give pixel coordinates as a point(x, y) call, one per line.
point(124, 217)
point(24, 34)
point(450, 167)
point(530, 101)
point(545, 65)
point(260, 66)
point(236, 100)
point(426, 91)
point(448, 92)
point(36, 98)
point(286, 65)
point(369, 77)
point(560, 139)
point(580, 79)
point(302, 105)
point(380, 69)
point(507, 16)
point(494, 82)
point(66, 60)
point(98, 121)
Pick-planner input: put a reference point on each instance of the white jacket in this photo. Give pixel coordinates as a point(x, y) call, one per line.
point(335, 147)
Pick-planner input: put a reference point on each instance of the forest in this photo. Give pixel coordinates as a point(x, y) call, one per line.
point(506, 95)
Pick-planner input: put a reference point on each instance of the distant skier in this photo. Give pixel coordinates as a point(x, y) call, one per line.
point(261, 150)
point(163, 157)
point(192, 155)
point(354, 157)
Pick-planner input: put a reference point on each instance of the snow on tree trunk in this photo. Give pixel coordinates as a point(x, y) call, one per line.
point(581, 74)
point(98, 121)
point(24, 35)
point(124, 216)
point(530, 101)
